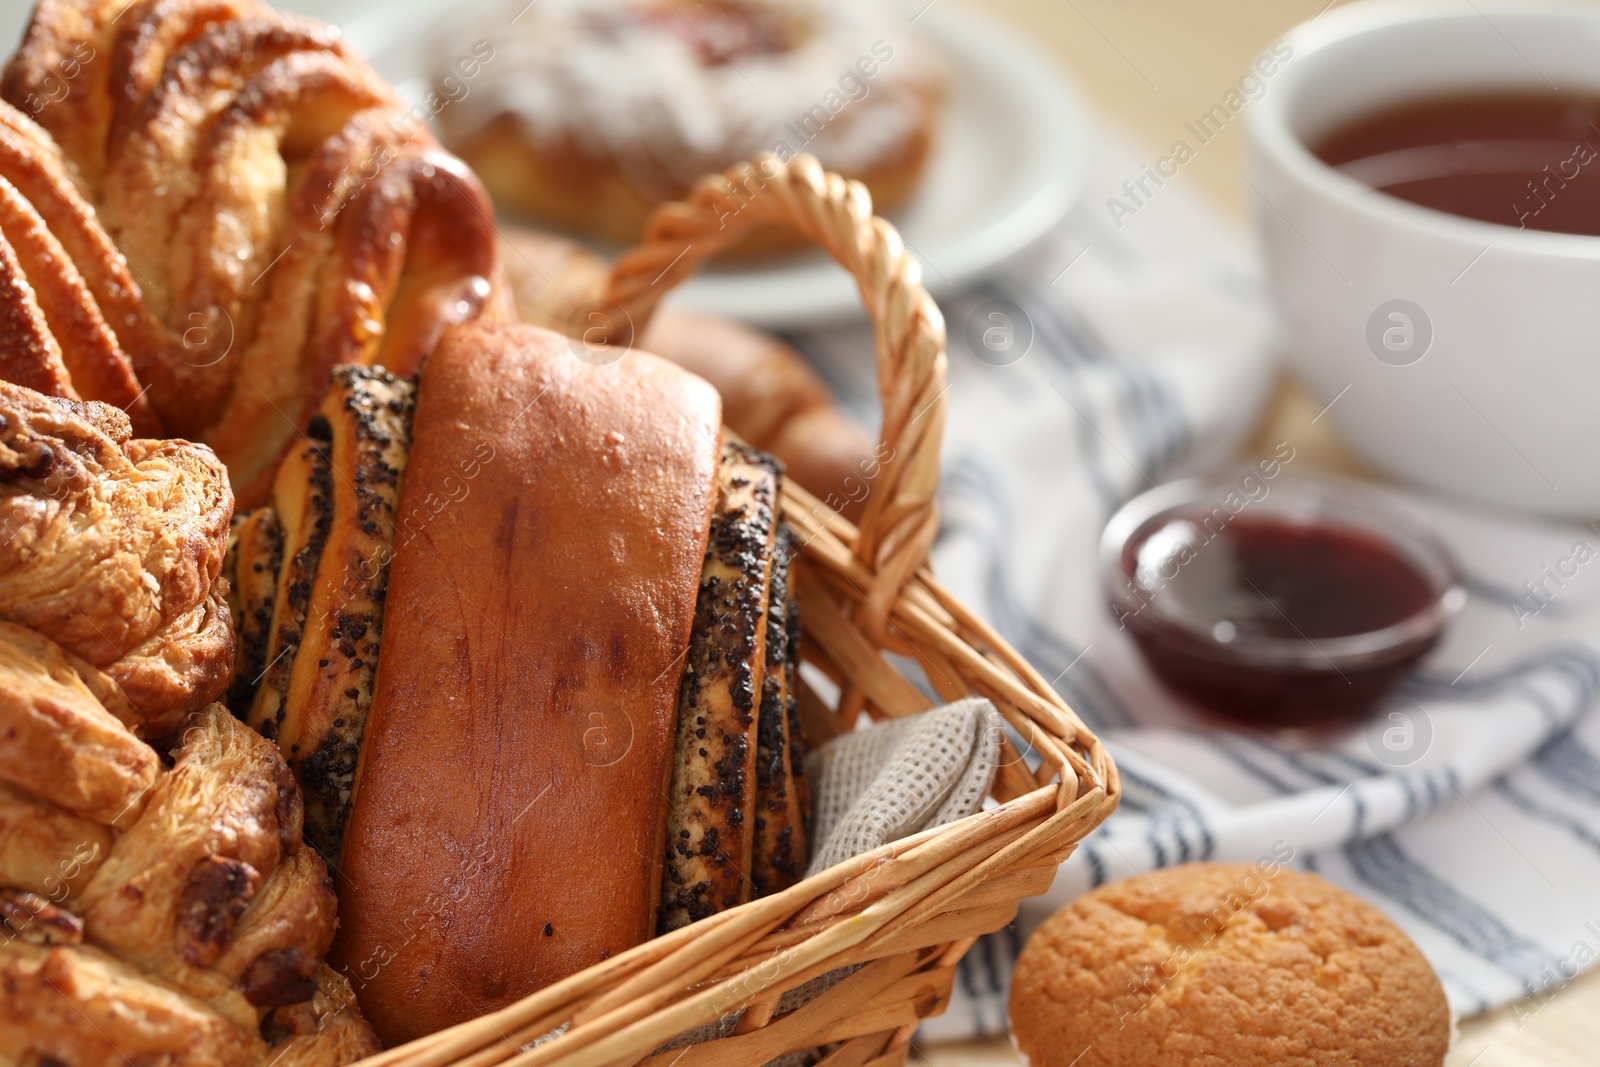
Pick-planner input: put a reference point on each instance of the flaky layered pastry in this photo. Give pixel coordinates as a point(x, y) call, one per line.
point(178, 911)
point(61, 742)
point(111, 547)
point(222, 205)
point(194, 935)
point(150, 914)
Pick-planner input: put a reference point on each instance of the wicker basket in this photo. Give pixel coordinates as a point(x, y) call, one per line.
point(905, 913)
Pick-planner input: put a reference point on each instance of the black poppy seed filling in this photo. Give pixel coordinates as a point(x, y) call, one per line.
point(256, 559)
point(738, 621)
point(374, 424)
point(270, 703)
point(355, 460)
point(706, 865)
point(798, 748)
point(779, 857)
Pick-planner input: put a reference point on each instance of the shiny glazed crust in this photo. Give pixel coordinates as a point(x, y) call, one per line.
point(553, 522)
point(279, 209)
point(771, 397)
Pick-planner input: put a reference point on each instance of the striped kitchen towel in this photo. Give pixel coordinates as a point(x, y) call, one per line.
point(1113, 357)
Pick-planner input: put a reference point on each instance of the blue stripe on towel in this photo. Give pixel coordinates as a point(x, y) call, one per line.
point(1381, 863)
point(1164, 818)
point(1577, 665)
point(1302, 762)
point(1207, 843)
point(1233, 755)
point(984, 523)
point(1526, 804)
point(1097, 866)
point(1567, 763)
point(985, 977)
point(1437, 785)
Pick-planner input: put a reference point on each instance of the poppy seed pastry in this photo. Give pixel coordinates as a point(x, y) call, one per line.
point(1212, 964)
point(594, 668)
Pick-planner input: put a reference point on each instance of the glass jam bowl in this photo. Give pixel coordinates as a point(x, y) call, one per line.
point(1277, 601)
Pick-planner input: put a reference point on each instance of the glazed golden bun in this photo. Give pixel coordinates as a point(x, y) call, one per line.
point(1236, 964)
point(510, 807)
point(770, 395)
point(775, 401)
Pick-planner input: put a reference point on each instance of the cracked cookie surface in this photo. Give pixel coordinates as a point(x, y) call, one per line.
point(1213, 964)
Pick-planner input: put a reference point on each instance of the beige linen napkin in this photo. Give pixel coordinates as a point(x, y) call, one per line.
point(877, 785)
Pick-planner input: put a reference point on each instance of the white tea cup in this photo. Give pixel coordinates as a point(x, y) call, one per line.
point(1458, 354)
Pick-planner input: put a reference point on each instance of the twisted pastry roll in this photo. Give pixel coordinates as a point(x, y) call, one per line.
point(782, 802)
point(354, 322)
point(710, 836)
point(73, 325)
point(281, 210)
point(68, 70)
point(255, 556)
point(317, 622)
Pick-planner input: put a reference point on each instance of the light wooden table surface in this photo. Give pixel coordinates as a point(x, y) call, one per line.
point(1152, 65)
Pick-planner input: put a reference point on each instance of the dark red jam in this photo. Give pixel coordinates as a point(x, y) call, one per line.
point(1272, 620)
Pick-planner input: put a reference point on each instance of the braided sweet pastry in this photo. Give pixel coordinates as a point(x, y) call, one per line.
point(151, 914)
point(225, 203)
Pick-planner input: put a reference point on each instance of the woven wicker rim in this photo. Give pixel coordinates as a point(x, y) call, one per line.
point(911, 908)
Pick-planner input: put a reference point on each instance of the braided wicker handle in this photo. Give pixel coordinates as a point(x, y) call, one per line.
point(901, 518)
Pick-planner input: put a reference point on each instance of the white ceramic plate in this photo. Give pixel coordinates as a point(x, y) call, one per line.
point(1010, 159)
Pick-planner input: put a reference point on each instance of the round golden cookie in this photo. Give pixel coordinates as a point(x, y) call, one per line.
point(1225, 965)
